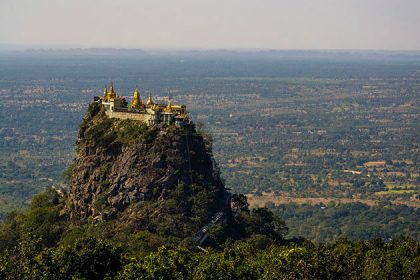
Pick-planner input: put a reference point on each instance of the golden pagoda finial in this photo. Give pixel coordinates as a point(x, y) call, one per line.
point(105, 91)
point(111, 94)
point(136, 102)
point(169, 107)
point(150, 101)
point(111, 87)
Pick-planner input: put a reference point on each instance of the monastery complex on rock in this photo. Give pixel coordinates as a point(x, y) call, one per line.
point(148, 112)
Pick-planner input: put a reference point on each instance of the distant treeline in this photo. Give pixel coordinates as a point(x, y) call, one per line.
point(357, 221)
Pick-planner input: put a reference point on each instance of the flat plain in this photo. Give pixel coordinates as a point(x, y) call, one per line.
point(287, 128)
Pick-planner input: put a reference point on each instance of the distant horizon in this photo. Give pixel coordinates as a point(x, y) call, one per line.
point(7, 47)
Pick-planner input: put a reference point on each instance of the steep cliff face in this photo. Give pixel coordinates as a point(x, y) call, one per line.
point(160, 178)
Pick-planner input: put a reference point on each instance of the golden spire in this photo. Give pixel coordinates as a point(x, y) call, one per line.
point(111, 94)
point(136, 91)
point(136, 99)
point(150, 101)
point(111, 87)
point(169, 107)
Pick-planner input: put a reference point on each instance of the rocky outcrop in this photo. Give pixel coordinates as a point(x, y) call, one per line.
point(125, 170)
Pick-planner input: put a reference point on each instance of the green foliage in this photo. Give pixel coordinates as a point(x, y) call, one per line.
point(202, 201)
point(398, 259)
point(49, 198)
point(167, 263)
point(263, 222)
point(100, 200)
point(68, 173)
point(93, 110)
point(88, 258)
point(41, 221)
point(321, 223)
point(101, 132)
point(104, 131)
point(130, 131)
point(260, 241)
point(287, 263)
point(231, 263)
point(38, 249)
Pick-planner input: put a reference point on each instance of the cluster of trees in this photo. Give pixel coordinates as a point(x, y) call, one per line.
point(255, 258)
point(46, 222)
point(40, 244)
point(358, 221)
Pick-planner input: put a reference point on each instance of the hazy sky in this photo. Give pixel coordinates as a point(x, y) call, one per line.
point(279, 24)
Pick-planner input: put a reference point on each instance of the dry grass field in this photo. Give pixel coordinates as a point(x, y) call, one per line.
point(265, 198)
